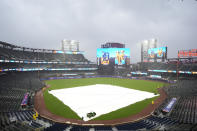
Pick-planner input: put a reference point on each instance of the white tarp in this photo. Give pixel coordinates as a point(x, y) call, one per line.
point(99, 98)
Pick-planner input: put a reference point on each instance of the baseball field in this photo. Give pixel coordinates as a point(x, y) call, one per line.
point(57, 107)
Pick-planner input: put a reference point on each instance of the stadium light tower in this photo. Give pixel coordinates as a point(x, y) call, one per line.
point(70, 45)
point(65, 42)
point(145, 45)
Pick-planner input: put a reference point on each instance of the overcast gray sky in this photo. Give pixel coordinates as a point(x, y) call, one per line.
point(44, 23)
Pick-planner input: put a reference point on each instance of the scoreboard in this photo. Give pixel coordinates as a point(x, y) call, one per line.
point(157, 53)
point(113, 56)
point(187, 53)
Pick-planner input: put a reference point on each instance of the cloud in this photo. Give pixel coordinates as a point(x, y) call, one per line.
point(43, 24)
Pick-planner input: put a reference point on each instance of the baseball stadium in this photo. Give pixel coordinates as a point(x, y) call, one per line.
point(44, 89)
point(132, 66)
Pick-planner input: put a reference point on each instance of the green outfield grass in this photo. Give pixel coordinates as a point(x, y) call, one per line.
point(57, 107)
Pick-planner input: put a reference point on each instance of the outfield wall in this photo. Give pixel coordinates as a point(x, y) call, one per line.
point(79, 77)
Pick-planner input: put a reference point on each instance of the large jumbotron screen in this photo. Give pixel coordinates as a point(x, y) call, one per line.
point(113, 56)
point(158, 53)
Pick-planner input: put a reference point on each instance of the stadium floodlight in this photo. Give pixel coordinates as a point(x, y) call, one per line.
point(70, 45)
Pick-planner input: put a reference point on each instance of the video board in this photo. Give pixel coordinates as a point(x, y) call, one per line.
point(113, 56)
point(187, 53)
point(158, 53)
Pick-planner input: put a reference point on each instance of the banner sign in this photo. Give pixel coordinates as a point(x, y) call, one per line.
point(170, 105)
point(187, 53)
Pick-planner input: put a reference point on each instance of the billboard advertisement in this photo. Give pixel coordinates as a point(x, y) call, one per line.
point(187, 53)
point(113, 56)
point(158, 53)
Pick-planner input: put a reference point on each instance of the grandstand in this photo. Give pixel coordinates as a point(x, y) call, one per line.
point(22, 70)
